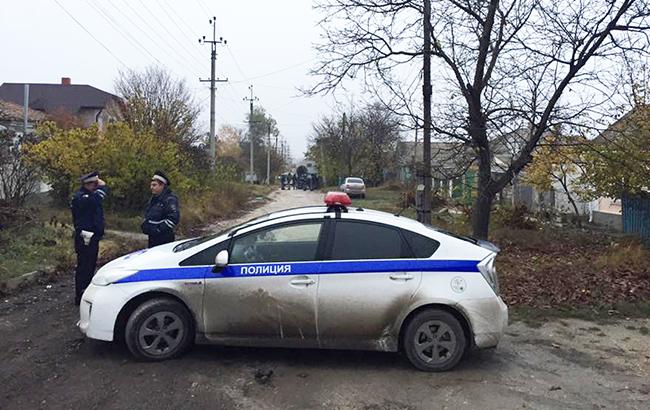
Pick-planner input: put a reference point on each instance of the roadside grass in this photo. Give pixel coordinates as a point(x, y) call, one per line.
point(536, 317)
point(31, 247)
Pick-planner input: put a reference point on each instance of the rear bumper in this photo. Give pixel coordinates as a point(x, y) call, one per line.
point(353, 191)
point(488, 318)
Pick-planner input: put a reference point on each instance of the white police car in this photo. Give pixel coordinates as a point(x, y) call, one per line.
point(317, 277)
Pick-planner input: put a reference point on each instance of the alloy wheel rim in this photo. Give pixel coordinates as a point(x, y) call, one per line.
point(435, 342)
point(161, 333)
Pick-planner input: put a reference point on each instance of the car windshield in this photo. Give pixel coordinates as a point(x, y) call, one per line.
point(190, 243)
point(355, 181)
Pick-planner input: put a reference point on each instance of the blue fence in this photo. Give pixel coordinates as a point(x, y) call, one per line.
point(636, 215)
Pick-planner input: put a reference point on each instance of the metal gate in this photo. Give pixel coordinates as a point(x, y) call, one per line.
point(636, 215)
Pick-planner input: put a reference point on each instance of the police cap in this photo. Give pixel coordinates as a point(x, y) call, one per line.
point(161, 177)
point(90, 177)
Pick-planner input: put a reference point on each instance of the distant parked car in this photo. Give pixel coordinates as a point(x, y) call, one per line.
point(354, 186)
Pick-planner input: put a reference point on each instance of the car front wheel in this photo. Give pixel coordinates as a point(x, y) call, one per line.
point(159, 329)
point(434, 341)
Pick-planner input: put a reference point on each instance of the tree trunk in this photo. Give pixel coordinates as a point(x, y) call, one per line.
point(483, 203)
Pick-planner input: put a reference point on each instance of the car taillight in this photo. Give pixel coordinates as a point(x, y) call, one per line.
point(489, 272)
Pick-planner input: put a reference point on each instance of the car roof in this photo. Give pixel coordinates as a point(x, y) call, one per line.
point(322, 210)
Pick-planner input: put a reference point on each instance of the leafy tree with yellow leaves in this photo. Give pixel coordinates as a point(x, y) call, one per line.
point(618, 162)
point(558, 160)
point(125, 160)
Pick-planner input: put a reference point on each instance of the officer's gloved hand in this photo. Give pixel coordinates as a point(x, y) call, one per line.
point(146, 228)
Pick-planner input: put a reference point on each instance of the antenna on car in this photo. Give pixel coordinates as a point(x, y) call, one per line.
point(404, 208)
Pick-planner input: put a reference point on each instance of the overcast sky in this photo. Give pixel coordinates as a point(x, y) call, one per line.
point(269, 45)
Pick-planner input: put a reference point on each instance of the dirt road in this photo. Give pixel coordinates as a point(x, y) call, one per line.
point(45, 363)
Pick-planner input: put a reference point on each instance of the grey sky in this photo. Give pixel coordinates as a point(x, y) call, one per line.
point(269, 46)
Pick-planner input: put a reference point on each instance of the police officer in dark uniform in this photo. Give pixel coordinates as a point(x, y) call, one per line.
point(88, 218)
point(162, 214)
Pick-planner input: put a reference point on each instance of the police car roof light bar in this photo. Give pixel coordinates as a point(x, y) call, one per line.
point(337, 202)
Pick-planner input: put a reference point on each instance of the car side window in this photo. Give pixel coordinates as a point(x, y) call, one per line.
point(422, 246)
point(287, 243)
point(206, 256)
point(358, 240)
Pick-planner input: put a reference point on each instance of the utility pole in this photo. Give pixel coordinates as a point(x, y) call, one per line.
point(268, 156)
point(212, 80)
point(250, 127)
point(25, 111)
point(424, 213)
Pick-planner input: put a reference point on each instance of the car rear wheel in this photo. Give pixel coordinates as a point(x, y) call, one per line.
point(159, 329)
point(434, 341)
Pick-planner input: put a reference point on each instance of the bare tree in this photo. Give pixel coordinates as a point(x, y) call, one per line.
point(18, 179)
point(154, 100)
point(359, 142)
point(506, 71)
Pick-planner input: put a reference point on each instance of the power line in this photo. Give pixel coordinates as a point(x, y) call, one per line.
point(234, 59)
point(204, 7)
point(180, 17)
point(169, 33)
point(90, 34)
point(278, 71)
point(189, 37)
point(138, 26)
point(117, 27)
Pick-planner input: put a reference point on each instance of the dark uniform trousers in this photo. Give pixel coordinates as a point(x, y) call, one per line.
point(86, 263)
point(155, 240)
point(88, 215)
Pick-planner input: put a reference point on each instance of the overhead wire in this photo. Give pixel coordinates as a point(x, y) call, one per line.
point(190, 38)
point(277, 71)
point(90, 34)
point(169, 33)
point(162, 49)
point(121, 31)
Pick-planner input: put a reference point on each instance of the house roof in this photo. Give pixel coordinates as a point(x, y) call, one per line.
point(624, 125)
point(14, 112)
point(50, 97)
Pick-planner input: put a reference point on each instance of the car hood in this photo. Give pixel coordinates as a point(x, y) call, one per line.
point(158, 256)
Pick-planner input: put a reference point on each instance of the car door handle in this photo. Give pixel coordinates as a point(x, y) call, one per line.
point(302, 281)
point(401, 276)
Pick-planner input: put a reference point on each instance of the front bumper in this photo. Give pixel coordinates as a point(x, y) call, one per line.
point(488, 318)
point(98, 311)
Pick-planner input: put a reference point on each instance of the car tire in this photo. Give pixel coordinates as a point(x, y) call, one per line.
point(434, 341)
point(159, 329)
point(363, 196)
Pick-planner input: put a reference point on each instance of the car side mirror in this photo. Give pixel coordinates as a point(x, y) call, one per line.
point(220, 261)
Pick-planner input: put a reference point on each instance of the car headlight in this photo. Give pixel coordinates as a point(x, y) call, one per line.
point(108, 277)
point(489, 272)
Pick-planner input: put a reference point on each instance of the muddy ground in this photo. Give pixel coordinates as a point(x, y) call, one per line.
point(45, 363)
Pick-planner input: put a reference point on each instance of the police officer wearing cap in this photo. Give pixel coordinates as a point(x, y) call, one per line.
point(163, 213)
point(88, 218)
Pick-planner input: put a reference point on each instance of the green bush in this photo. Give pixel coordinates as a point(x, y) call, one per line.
point(126, 161)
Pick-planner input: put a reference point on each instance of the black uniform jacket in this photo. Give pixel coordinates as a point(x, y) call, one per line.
point(87, 211)
point(162, 214)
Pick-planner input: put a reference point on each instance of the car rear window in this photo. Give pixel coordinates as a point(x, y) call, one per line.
point(354, 181)
point(360, 240)
point(421, 246)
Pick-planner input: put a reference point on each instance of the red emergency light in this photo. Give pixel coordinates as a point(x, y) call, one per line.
point(337, 198)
